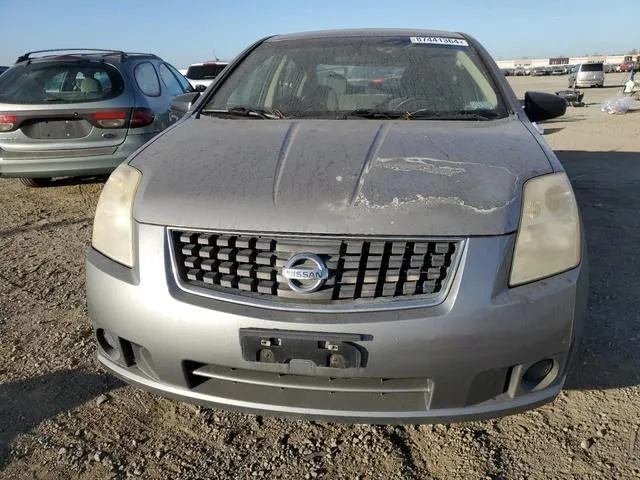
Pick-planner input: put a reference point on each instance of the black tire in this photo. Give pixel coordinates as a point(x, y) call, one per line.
point(36, 182)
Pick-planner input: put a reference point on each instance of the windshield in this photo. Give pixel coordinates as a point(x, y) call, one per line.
point(333, 77)
point(204, 72)
point(60, 82)
point(592, 67)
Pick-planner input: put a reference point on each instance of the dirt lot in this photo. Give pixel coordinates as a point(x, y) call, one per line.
point(62, 417)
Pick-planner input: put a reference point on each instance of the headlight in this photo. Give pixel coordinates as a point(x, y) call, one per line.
point(113, 222)
point(549, 236)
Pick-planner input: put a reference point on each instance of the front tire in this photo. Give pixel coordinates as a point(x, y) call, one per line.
point(36, 182)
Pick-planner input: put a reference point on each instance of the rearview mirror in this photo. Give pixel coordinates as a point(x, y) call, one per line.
point(541, 106)
point(200, 88)
point(181, 104)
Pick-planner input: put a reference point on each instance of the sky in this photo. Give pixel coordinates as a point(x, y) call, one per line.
point(199, 30)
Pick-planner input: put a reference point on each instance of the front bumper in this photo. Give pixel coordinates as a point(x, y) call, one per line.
point(461, 360)
point(60, 166)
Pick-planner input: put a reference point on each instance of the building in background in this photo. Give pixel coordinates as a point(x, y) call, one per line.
point(555, 61)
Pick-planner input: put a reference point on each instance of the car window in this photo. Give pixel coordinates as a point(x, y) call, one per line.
point(206, 71)
point(592, 67)
point(322, 77)
point(249, 88)
point(54, 84)
point(170, 81)
point(147, 79)
point(104, 80)
point(59, 82)
point(291, 81)
point(184, 83)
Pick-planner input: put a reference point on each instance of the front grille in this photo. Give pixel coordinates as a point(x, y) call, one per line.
point(310, 392)
point(359, 269)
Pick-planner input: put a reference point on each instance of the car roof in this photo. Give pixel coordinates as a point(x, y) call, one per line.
point(80, 53)
point(216, 62)
point(367, 32)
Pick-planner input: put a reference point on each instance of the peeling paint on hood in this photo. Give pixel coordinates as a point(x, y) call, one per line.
point(420, 164)
point(425, 186)
point(339, 176)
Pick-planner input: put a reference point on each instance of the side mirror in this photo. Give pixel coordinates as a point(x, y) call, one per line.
point(200, 88)
point(541, 106)
point(181, 104)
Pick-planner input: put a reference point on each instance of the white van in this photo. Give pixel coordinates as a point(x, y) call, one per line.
point(203, 73)
point(587, 75)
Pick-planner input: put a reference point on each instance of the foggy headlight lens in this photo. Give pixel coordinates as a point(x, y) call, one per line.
point(549, 236)
point(113, 222)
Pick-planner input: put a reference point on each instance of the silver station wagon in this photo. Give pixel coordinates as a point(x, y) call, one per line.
point(81, 111)
point(357, 226)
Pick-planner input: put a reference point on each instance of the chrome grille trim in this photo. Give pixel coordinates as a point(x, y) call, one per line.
point(229, 291)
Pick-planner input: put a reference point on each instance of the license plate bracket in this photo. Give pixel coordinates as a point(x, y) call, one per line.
point(334, 350)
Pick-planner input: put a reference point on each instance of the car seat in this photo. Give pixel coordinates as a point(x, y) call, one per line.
point(436, 85)
point(90, 85)
point(338, 83)
point(324, 98)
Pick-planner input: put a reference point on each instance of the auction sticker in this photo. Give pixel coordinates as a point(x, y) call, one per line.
point(440, 41)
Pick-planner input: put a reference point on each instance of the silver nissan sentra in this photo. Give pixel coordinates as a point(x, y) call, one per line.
point(358, 226)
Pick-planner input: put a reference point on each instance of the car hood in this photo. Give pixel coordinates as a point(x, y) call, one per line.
point(339, 176)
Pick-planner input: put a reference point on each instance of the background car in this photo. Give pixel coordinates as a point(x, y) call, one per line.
point(3, 69)
point(203, 73)
point(587, 75)
point(82, 111)
point(626, 67)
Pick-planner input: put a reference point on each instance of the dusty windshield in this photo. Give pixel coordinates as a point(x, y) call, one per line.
point(372, 77)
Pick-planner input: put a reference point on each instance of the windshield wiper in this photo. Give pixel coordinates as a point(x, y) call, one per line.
point(376, 113)
point(425, 114)
point(245, 111)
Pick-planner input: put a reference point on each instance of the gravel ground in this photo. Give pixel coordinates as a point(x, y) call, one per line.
point(61, 416)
